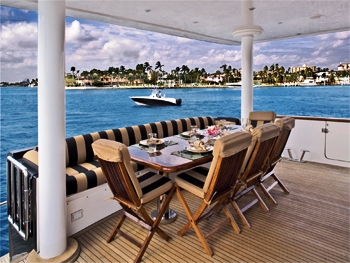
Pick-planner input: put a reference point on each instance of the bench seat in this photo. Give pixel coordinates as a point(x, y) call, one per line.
point(82, 168)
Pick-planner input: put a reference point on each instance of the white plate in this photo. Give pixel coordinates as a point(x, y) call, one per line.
point(186, 134)
point(145, 143)
point(194, 150)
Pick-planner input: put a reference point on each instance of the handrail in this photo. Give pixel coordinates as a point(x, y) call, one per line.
point(19, 196)
point(3, 203)
point(316, 118)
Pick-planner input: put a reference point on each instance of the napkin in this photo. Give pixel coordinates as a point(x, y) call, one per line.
point(199, 145)
point(156, 141)
point(220, 126)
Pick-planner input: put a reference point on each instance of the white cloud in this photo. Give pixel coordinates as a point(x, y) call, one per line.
point(18, 51)
point(183, 40)
point(342, 35)
point(98, 45)
point(78, 34)
point(337, 43)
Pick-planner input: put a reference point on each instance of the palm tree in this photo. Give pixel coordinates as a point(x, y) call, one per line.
point(147, 66)
point(224, 70)
point(177, 70)
point(73, 71)
point(159, 66)
point(185, 69)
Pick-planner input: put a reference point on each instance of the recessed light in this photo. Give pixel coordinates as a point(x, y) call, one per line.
point(280, 23)
point(316, 16)
point(252, 8)
point(195, 22)
point(148, 10)
point(298, 34)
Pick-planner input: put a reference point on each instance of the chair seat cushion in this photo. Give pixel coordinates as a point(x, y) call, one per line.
point(193, 180)
point(153, 185)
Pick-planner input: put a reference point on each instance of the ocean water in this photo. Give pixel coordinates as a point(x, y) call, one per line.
point(96, 110)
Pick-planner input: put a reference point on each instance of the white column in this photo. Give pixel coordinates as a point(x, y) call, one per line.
point(247, 31)
point(247, 76)
point(52, 220)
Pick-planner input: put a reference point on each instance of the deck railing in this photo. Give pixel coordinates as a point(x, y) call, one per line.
point(18, 193)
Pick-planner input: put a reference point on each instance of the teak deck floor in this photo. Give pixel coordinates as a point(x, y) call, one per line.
point(311, 224)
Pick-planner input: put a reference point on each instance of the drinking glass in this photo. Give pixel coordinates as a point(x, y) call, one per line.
point(152, 142)
point(193, 133)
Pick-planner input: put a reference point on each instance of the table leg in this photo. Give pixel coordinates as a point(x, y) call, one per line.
point(169, 216)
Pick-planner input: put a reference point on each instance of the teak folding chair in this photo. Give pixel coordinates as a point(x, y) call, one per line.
point(214, 185)
point(286, 125)
point(255, 165)
point(132, 193)
point(257, 118)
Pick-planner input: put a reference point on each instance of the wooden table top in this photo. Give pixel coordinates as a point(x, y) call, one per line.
point(163, 160)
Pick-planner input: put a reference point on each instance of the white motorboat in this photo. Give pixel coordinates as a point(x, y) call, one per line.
point(308, 82)
point(156, 99)
point(237, 85)
point(234, 84)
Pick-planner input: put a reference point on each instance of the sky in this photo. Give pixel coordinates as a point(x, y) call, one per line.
point(97, 45)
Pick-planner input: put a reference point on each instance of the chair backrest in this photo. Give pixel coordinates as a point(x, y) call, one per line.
point(114, 158)
point(228, 156)
point(257, 118)
point(256, 161)
point(286, 125)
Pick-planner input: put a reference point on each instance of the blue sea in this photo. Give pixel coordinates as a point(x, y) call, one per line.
point(96, 110)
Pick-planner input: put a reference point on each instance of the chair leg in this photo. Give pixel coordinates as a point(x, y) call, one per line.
point(193, 222)
point(284, 188)
point(261, 202)
point(153, 226)
point(116, 229)
point(232, 220)
point(267, 193)
point(240, 214)
point(155, 223)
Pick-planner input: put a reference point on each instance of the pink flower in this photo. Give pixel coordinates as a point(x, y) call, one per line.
point(213, 131)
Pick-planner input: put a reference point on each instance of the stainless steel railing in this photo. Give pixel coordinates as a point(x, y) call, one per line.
point(18, 197)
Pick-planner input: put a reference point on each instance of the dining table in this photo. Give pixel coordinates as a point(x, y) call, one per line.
point(173, 155)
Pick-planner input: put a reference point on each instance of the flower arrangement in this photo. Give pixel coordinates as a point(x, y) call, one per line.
point(213, 131)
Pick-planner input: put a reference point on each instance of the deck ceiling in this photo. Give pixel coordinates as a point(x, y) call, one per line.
point(212, 21)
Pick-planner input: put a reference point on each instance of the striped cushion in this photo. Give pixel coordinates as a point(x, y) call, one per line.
point(83, 171)
point(83, 176)
point(193, 180)
point(153, 185)
point(79, 150)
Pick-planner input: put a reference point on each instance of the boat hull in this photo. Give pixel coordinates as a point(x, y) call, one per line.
point(149, 101)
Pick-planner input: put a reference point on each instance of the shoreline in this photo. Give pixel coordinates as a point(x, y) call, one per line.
point(181, 87)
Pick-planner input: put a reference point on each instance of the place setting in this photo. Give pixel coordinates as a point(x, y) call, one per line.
point(153, 145)
point(197, 148)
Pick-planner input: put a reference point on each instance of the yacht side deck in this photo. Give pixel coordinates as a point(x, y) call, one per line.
point(311, 224)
